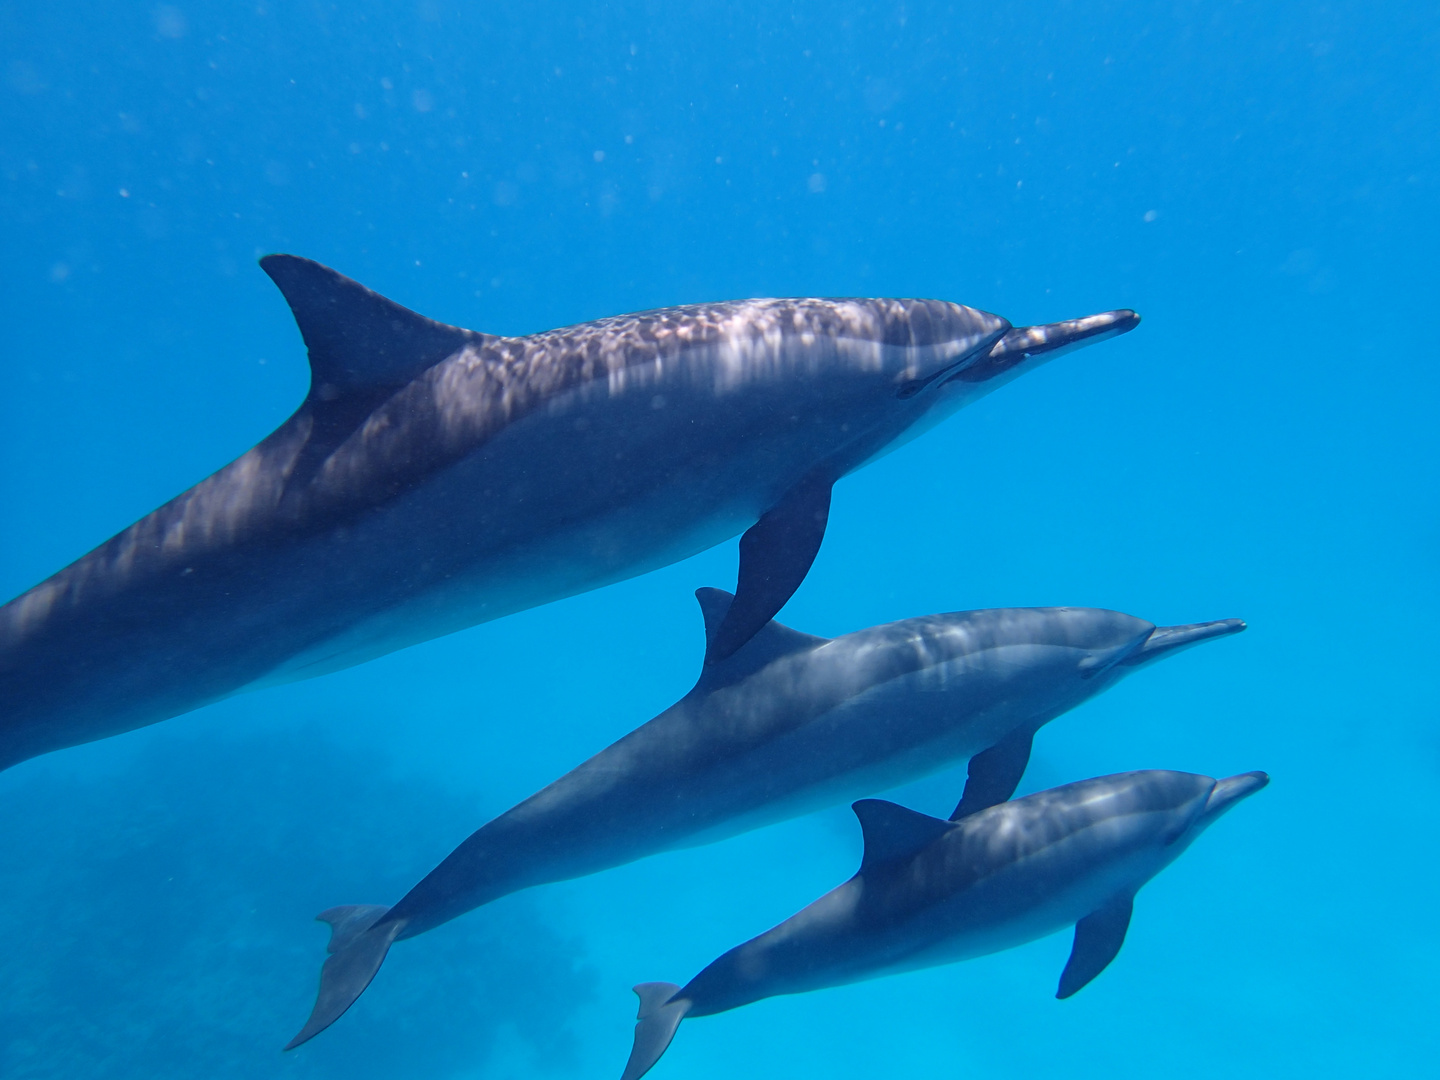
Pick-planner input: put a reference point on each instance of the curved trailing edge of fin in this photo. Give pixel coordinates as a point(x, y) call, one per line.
point(775, 555)
point(659, 1017)
point(1098, 937)
point(359, 940)
point(893, 833)
point(358, 340)
point(766, 645)
point(995, 773)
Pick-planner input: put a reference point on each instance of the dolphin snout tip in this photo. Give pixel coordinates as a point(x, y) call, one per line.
point(1234, 788)
point(1231, 790)
point(1069, 333)
point(1123, 319)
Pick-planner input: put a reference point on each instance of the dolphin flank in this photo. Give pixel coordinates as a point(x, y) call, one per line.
point(788, 724)
point(932, 892)
point(436, 477)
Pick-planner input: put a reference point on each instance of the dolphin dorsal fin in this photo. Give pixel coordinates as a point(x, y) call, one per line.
point(771, 641)
point(359, 342)
point(893, 832)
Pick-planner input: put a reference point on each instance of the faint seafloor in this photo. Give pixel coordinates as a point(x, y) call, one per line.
point(155, 924)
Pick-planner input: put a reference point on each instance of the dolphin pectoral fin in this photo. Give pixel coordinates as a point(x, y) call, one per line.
point(358, 945)
point(658, 1018)
point(995, 774)
point(1098, 937)
point(775, 555)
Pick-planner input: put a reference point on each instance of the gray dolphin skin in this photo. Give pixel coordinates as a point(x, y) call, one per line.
point(931, 892)
point(790, 723)
point(436, 477)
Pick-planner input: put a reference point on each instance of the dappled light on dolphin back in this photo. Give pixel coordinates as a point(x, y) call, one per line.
point(436, 477)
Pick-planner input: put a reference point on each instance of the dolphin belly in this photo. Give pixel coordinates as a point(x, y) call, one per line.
point(592, 492)
point(898, 731)
point(845, 937)
point(597, 488)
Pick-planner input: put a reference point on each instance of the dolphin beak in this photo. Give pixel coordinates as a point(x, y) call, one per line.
point(1226, 793)
point(1168, 640)
point(1050, 340)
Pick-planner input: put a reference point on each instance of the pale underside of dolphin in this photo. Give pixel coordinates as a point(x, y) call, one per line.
point(931, 892)
point(788, 724)
point(435, 478)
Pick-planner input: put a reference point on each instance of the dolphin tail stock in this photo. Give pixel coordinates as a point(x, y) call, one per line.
point(359, 940)
point(660, 1015)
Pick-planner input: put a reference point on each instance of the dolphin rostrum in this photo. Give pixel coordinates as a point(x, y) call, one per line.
point(932, 892)
point(788, 724)
point(435, 478)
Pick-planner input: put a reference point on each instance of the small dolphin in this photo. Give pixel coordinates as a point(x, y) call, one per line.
point(932, 892)
point(435, 478)
point(790, 723)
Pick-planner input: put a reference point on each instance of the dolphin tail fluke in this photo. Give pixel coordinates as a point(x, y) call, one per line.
point(660, 1014)
point(359, 941)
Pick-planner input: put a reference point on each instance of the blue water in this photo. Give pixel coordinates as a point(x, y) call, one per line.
point(1260, 181)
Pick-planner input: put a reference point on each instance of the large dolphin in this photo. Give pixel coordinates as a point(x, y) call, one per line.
point(932, 892)
point(435, 478)
point(788, 724)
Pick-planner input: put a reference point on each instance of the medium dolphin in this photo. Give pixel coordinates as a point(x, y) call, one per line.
point(788, 724)
point(932, 892)
point(435, 478)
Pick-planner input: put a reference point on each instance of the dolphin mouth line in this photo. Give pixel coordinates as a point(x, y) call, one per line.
point(1164, 640)
point(912, 387)
point(1023, 342)
point(1231, 790)
point(909, 389)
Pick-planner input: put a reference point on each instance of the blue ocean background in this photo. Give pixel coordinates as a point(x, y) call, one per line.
point(1258, 180)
